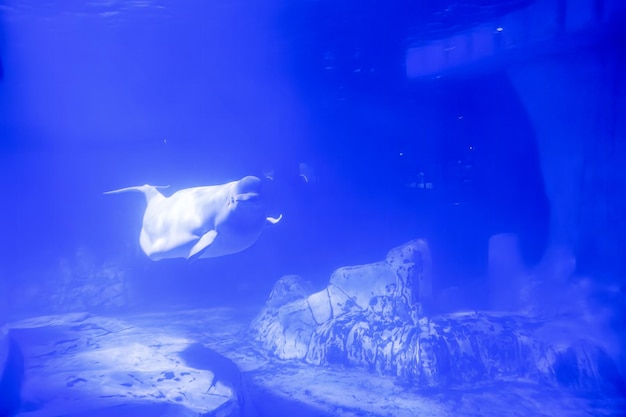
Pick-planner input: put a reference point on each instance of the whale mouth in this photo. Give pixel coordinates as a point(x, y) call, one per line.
point(247, 197)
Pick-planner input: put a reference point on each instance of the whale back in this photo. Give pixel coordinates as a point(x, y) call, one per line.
point(149, 191)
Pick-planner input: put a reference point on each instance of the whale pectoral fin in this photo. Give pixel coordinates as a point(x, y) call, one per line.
point(205, 241)
point(272, 220)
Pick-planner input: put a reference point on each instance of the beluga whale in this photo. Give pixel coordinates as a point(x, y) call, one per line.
point(202, 222)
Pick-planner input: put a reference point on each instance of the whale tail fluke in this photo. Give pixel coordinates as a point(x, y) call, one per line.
point(149, 191)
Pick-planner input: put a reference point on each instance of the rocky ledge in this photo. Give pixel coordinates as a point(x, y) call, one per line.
point(201, 363)
point(371, 316)
point(82, 364)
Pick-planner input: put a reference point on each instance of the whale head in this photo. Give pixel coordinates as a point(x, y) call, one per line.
point(245, 206)
point(247, 189)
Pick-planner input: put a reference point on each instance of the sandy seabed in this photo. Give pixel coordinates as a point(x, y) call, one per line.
point(204, 363)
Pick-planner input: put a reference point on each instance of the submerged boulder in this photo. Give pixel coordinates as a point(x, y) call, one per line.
point(81, 281)
point(390, 290)
point(371, 316)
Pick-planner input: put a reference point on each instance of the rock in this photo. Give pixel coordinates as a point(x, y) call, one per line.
point(404, 277)
point(288, 288)
point(288, 336)
point(370, 316)
point(80, 282)
point(506, 273)
point(391, 289)
point(87, 284)
point(197, 340)
point(84, 364)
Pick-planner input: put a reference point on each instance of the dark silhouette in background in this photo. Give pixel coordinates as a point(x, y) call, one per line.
point(11, 379)
point(382, 138)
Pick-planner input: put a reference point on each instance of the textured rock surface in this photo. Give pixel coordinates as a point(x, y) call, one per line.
point(60, 350)
point(80, 282)
point(392, 290)
point(369, 316)
point(79, 364)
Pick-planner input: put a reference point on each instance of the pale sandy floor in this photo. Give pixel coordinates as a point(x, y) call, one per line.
point(86, 365)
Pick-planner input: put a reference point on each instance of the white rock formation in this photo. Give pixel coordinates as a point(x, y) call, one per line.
point(370, 316)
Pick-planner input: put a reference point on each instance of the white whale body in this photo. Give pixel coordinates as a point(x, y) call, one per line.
point(202, 222)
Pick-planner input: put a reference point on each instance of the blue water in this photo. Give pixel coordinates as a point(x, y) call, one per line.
point(204, 94)
point(359, 150)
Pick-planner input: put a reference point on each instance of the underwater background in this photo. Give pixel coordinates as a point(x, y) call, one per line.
point(492, 131)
